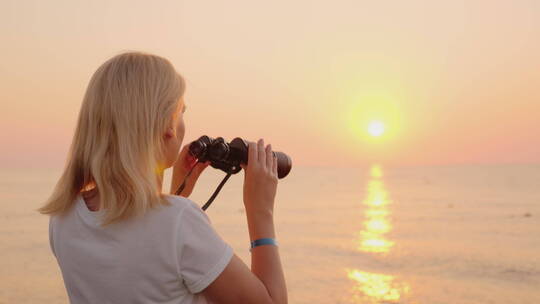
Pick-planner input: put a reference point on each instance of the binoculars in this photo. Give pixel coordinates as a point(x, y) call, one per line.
point(228, 156)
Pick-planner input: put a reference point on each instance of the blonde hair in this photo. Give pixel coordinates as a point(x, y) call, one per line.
point(118, 143)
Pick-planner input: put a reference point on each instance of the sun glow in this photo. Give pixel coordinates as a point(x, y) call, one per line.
point(376, 128)
point(375, 118)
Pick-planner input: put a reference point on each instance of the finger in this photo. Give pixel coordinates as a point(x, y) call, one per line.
point(199, 168)
point(269, 157)
point(252, 152)
point(274, 163)
point(261, 153)
point(188, 161)
point(203, 165)
point(188, 157)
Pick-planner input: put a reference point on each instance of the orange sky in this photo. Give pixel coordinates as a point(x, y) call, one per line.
point(454, 82)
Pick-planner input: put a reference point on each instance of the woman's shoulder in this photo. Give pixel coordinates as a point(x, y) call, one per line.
point(181, 204)
point(186, 208)
point(165, 215)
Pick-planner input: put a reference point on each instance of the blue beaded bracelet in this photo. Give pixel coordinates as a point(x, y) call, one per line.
point(265, 241)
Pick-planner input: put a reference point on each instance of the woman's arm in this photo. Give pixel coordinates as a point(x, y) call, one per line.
point(265, 282)
point(265, 261)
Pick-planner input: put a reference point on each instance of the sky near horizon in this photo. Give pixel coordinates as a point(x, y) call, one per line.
point(453, 82)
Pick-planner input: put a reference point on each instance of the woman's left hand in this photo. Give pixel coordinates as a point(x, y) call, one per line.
point(181, 168)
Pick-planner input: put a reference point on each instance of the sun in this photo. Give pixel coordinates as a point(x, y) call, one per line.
point(375, 128)
point(374, 119)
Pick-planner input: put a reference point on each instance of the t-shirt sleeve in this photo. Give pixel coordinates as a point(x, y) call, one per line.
point(202, 253)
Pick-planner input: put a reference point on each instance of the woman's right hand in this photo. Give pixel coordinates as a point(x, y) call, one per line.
point(260, 179)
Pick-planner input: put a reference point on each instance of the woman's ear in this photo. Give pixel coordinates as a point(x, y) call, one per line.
point(169, 133)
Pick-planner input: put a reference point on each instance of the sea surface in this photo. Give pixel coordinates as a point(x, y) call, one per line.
point(454, 234)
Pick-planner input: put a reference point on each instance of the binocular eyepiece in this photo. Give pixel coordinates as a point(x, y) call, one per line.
point(228, 156)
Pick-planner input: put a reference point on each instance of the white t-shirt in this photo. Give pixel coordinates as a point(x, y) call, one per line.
point(166, 256)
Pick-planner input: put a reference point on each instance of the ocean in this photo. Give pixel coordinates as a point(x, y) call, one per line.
point(442, 234)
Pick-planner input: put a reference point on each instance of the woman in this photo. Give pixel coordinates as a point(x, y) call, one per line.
point(116, 237)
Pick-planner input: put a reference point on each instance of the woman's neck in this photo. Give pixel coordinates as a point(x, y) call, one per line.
point(91, 199)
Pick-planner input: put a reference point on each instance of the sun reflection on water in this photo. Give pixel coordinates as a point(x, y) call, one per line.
point(376, 287)
point(376, 224)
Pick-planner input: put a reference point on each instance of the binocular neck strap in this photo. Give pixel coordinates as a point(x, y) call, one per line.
point(211, 199)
